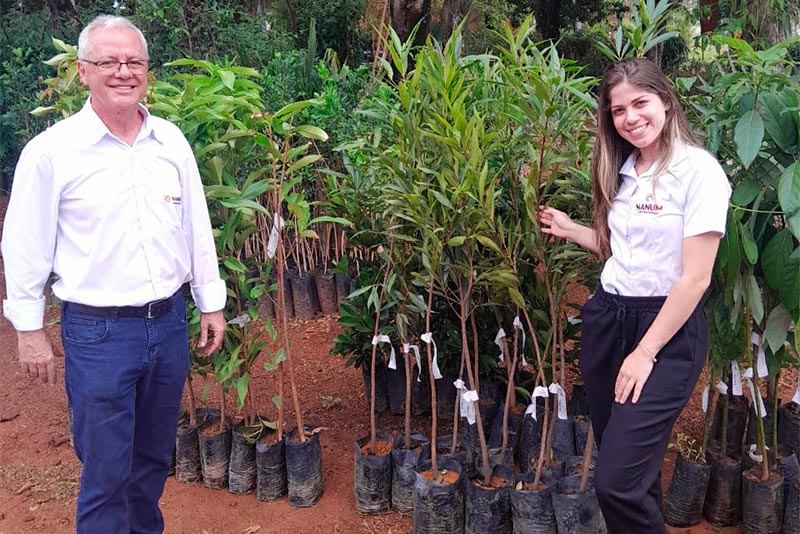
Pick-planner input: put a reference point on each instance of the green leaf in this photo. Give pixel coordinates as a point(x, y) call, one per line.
point(442, 199)
point(778, 324)
point(311, 132)
point(489, 243)
point(754, 302)
point(516, 297)
point(745, 192)
point(748, 136)
point(789, 197)
point(243, 203)
point(775, 258)
point(748, 244)
point(234, 265)
point(778, 121)
point(276, 400)
point(241, 389)
point(303, 162)
point(329, 219)
point(456, 241)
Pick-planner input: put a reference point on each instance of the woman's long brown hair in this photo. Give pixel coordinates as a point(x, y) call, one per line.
point(611, 150)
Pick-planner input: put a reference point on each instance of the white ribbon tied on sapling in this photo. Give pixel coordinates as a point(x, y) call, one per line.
point(518, 326)
point(407, 347)
point(748, 375)
point(240, 320)
point(561, 396)
point(796, 398)
point(751, 452)
point(498, 340)
point(462, 404)
point(722, 388)
point(704, 403)
point(383, 338)
point(736, 379)
point(427, 337)
point(470, 398)
point(761, 360)
point(538, 391)
point(272, 244)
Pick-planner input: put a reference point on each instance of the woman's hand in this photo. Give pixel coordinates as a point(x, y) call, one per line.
point(632, 376)
point(555, 222)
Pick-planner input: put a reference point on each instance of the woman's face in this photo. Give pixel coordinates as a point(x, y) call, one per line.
point(639, 117)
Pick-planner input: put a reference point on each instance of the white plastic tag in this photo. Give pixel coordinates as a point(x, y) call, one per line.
point(385, 339)
point(470, 398)
point(518, 326)
point(427, 337)
point(462, 404)
point(761, 363)
point(748, 375)
point(272, 244)
point(408, 347)
point(240, 320)
point(705, 399)
point(561, 397)
point(498, 340)
point(538, 391)
point(571, 319)
point(722, 388)
point(736, 379)
point(751, 451)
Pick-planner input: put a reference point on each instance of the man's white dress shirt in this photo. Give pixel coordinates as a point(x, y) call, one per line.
point(650, 217)
point(120, 225)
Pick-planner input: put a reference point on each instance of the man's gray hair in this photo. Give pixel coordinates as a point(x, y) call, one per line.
point(106, 22)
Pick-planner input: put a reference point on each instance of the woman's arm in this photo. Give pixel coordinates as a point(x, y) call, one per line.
point(559, 224)
point(699, 253)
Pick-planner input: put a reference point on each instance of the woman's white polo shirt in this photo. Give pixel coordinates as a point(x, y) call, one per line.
point(651, 216)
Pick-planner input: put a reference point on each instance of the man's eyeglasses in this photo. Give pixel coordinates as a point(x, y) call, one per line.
point(108, 66)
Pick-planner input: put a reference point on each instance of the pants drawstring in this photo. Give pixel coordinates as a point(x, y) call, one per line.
point(621, 316)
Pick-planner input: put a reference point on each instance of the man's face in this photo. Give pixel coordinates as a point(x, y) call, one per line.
point(120, 89)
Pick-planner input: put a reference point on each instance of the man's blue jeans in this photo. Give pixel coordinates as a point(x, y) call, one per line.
point(124, 379)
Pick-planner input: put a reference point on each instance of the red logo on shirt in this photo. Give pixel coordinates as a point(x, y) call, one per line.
point(650, 205)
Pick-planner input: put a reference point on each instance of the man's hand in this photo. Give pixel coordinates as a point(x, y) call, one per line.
point(212, 328)
point(36, 355)
point(632, 376)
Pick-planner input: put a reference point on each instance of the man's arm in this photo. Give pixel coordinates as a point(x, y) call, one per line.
point(36, 355)
point(208, 289)
point(29, 237)
point(212, 329)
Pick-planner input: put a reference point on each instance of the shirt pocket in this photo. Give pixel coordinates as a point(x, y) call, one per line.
point(162, 191)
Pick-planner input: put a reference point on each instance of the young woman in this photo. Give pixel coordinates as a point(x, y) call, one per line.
point(660, 205)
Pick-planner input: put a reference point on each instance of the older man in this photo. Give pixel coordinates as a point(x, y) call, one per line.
point(110, 200)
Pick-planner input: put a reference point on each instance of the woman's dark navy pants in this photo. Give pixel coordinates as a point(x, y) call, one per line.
point(633, 438)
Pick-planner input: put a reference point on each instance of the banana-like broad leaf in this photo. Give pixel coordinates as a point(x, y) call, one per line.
point(777, 328)
point(748, 136)
point(778, 121)
point(789, 197)
point(748, 244)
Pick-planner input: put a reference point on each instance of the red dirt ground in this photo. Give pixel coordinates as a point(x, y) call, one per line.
point(39, 471)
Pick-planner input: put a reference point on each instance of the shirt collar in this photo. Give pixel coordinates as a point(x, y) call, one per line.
point(679, 154)
point(95, 129)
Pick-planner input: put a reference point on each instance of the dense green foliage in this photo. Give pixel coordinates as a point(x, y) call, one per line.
point(440, 160)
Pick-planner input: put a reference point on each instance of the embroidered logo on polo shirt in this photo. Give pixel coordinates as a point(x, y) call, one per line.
point(650, 205)
point(174, 200)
